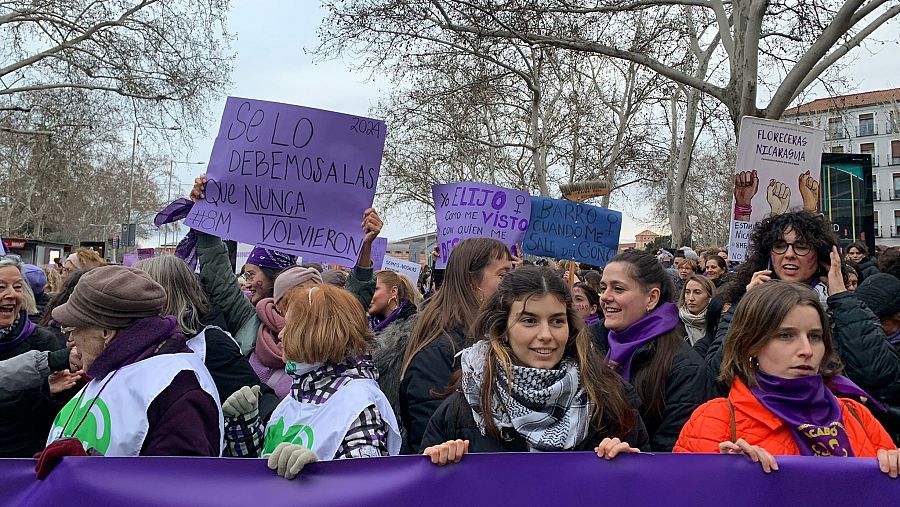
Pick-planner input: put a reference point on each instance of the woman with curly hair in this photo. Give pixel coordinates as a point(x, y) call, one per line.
point(801, 247)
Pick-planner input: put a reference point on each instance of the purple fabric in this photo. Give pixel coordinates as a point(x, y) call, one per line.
point(134, 343)
point(809, 410)
point(592, 320)
point(578, 478)
point(623, 344)
point(267, 258)
point(894, 339)
point(187, 247)
point(378, 324)
point(23, 335)
point(843, 385)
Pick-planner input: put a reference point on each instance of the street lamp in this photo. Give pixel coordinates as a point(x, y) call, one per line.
point(169, 193)
point(131, 174)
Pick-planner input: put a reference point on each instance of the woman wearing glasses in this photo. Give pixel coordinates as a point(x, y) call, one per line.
point(802, 247)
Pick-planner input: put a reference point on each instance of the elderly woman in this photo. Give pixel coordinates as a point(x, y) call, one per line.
point(149, 394)
point(25, 415)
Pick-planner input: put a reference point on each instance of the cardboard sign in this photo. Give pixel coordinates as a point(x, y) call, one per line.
point(379, 249)
point(408, 269)
point(572, 230)
point(778, 169)
point(291, 178)
point(478, 210)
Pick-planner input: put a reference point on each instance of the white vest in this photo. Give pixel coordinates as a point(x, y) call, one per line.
point(116, 423)
point(323, 427)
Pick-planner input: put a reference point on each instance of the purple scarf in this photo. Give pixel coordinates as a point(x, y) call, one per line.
point(894, 339)
point(23, 335)
point(591, 320)
point(378, 325)
point(187, 247)
point(140, 340)
point(840, 384)
point(809, 410)
point(623, 344)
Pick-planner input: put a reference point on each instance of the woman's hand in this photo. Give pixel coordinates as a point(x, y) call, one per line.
point(609, 448)
point(451, 450)
point(63, 380)
point(836, 283)
point(756, 453)
point(371, 225)
point(198, 192)
point(289, 459)
point(759, 278)
point(889, 462)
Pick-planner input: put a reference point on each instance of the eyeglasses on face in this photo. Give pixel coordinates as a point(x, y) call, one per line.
point(801, 248)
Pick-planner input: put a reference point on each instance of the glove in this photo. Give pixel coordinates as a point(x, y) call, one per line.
point(58, 360)
point(289, 459)
point(244, 401)
point(54, 453)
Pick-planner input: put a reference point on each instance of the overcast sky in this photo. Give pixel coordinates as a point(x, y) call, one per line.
point(271, 64)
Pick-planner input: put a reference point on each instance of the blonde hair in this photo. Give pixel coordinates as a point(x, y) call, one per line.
point(323, 324)
point(88, 259)
point(28, 302)
point(54, 280)
point(405, 289)
point(704, 282)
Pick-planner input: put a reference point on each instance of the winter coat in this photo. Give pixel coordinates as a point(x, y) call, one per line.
point(712, 423)
point(454, 420)
point(388, 351)
point(30, 369)
point(217, 277)
point(688, 386)
point(867, 268)
point(25, 416)
point(429, 373)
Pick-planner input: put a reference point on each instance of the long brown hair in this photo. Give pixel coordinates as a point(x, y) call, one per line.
point(651, 381)
point(758, 316)
point(455, 304)
point(610, 414)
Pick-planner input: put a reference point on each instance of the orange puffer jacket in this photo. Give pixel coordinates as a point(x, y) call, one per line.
point(711, 424)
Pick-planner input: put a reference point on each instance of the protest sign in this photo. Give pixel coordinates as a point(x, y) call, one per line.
point(578, 478)
point(408, 269)
point(379, 249)
point(291, 178)
point(572, 230)
point(478, 210)
point(130, 259)
point(145, 253)
point(242, 253)
point(848, 197)
point(778, 169)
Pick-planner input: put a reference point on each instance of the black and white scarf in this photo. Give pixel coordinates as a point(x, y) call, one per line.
point(549, 408)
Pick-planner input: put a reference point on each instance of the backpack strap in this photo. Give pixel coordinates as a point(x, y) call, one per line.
point(733, 421)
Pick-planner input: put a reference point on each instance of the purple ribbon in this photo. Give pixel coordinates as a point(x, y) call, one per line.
point(187, 247)
point(591, 320)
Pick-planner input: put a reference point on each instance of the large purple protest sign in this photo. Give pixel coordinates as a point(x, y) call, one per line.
point(130, 259)
point(291, 178)
point(572, 230)
point(478, 210)
point(518, 479)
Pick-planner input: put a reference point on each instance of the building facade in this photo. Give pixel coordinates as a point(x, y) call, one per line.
point(866, 123)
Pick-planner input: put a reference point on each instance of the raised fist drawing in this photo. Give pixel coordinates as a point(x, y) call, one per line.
point(779, 196)
point(746, 183)
point(809, 190)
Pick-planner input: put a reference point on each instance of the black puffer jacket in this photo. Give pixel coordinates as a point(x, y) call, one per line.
point(689, 385)
point(454, 420)
point(25, 417)
point(429, 372)
point(388, 351)
point(867, 268)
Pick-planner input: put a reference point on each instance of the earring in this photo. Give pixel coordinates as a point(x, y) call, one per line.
point(752, 365)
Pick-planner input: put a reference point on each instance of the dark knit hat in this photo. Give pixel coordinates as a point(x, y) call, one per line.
point(881, 293)
point(111, 297)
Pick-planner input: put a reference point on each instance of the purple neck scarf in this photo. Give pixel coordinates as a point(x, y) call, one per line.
point(809, 410)
point(136, 342)
point(378, 325)
point(840, 384)
point(27, 328)
point(894, 339)
point(591, 320)
point(623, 344)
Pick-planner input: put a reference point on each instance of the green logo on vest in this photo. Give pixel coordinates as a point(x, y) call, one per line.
point(276, 434)
point(93, 431)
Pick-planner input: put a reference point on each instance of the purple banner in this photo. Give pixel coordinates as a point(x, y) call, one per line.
point(479, 479)
point(291, 178)
point(478, 210)
point(379, 249)
point(145, 253)
point(572, 230)
point(130, 259)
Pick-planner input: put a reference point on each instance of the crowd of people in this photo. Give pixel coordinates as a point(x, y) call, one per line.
point(792, 352)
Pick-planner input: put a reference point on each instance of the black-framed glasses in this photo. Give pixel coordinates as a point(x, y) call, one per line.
point(800, 248)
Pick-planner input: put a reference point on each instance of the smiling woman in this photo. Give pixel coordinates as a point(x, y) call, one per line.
point(24, 418)
point(536, 383)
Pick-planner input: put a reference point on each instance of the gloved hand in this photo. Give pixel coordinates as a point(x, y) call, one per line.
point(54, 453)
point(289, 459)
point(244, 401)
